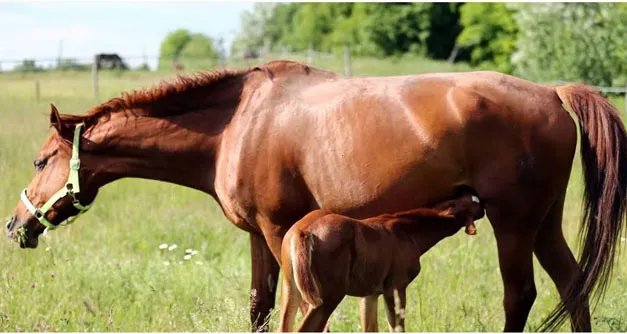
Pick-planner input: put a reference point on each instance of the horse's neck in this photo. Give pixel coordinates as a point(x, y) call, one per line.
point(178, 150)
point(427, 232)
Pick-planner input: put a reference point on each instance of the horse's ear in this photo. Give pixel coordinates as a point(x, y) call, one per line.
point(55, 119)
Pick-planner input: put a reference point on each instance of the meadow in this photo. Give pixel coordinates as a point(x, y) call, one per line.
point(107, 272)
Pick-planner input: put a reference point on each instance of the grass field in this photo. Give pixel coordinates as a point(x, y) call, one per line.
point(107, 273)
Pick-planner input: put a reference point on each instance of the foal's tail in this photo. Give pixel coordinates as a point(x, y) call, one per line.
point(604, 157)
point(304, 276)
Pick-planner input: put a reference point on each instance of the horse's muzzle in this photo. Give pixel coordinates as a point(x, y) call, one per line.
point(10, 223)
point(20, 234)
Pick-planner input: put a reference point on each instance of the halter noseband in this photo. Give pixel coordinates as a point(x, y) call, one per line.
point(72, 188)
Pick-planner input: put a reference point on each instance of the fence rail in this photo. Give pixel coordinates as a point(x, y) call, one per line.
point(310, 54)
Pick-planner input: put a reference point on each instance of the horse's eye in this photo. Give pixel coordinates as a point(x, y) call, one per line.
point(39, 164)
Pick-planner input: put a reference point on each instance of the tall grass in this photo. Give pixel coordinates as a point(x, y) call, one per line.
point(107, 273)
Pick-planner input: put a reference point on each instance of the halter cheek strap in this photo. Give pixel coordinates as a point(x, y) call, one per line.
point(71, 188)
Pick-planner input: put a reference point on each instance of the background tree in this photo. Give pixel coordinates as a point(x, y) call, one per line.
point(443, 30)
point(200, 51)
point(172, 46)
point(253, 33)
point(572, 42)
point(489, 35)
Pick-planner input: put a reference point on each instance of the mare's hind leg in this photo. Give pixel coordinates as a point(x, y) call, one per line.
point(515, 222)
point(558, 261)
point(516, 263)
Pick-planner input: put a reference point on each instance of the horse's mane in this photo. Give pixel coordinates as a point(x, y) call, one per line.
point(186, 93)
point(168, 98)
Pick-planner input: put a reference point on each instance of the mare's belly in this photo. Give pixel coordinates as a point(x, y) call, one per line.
point(363, 193)
point(380, 159)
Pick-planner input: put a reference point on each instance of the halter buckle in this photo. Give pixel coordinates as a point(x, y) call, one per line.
point(75, 163)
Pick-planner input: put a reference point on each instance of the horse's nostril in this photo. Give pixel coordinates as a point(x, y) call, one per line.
point(10, 223)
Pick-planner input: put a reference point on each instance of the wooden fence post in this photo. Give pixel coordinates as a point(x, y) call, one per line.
point(37, 91)
point(310, 54)
point(348, 71)
point(94, 76)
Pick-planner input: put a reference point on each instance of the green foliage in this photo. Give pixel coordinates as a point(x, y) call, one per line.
point(549, 41)
point(27, 65)
point(573, 42)
point(399, 28)
point(443, 30)
point(174, 43)
point(368, 28)
point(200, 49)
point(254, 27)
point(489, 33)
point(199, 45)
point(188, 47)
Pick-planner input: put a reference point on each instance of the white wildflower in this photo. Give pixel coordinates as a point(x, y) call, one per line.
point(47, 249)
point(173, 247)
point(198, 262)
point(166, 263)
point(194, 252)
point(188, 251)
point(163, 246)
point(187, 257)
point(623, 239)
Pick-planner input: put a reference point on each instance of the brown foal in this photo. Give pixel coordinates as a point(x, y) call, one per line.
point(327, 256)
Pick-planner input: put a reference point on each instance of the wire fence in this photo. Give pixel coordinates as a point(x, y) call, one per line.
point(335, 61)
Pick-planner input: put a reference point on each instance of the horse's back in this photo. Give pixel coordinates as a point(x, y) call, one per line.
point(365, 146)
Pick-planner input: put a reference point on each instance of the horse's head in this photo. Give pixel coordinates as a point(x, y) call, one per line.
point(59, 190)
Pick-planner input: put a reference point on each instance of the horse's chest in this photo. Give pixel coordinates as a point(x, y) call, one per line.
point(252, 181)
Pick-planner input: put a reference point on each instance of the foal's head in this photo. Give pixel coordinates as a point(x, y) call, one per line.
point(52, 178)
point(466, 208)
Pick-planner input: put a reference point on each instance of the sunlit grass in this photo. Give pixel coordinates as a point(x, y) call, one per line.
point(107, 272)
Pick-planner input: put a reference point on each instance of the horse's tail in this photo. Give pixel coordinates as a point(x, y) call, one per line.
point(604, 157)
point(304, 275)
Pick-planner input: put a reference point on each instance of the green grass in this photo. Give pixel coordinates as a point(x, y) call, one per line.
point(106, 272)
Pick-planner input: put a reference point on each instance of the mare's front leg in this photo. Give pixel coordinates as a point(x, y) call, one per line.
point(395, 303)
point(368, 313)
point(265, 273)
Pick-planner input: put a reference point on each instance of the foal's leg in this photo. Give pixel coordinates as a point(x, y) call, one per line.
point(368, 313)
point(290, 301)
point(265, 273)
point(395, 303)
point(316, 318)
point(558, 261)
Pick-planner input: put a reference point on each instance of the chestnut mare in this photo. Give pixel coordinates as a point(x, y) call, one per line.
point(326, 256)
point(275, 142)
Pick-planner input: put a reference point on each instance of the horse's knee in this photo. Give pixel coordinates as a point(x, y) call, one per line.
point(520, 297)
